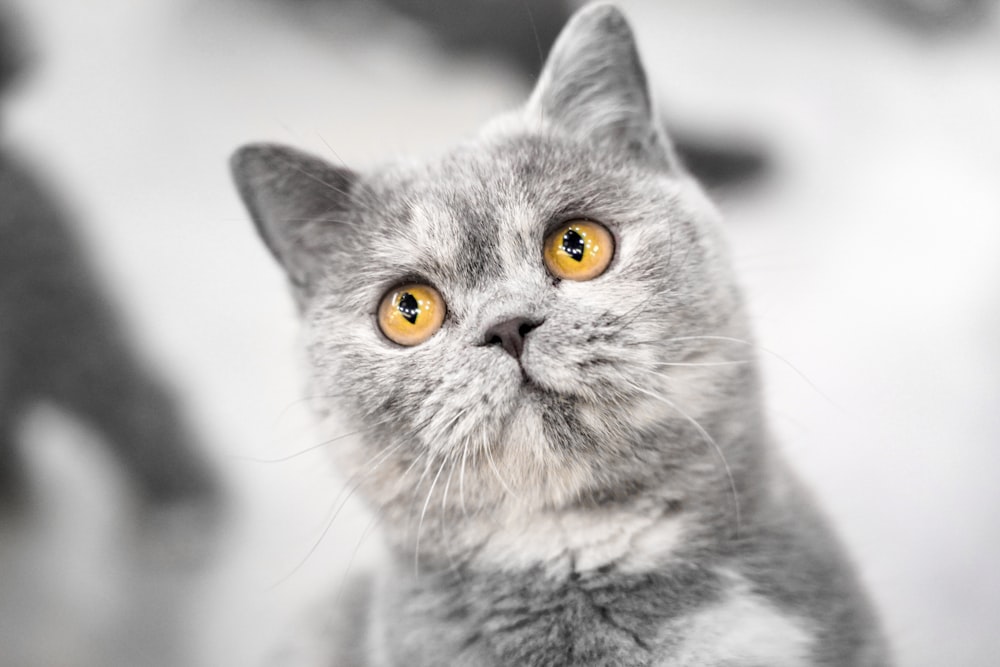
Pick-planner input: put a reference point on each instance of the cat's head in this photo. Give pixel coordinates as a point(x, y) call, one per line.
point(534, 320)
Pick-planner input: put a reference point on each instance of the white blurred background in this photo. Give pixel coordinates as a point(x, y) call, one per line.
point(868, 253)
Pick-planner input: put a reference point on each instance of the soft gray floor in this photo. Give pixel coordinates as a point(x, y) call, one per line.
point(870, 261)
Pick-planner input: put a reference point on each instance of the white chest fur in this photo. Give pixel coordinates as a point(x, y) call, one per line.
point(741, 629)
point(635, 539)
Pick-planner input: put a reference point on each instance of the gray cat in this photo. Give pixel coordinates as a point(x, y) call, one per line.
point(539, 338)
point(61, 342)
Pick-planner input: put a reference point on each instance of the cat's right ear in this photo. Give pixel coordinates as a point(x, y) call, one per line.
point(297, 202)
point(593, 85)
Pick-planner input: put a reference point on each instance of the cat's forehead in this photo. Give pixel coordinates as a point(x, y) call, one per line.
point(493, 176)
point(471, 215)
point(515, 180)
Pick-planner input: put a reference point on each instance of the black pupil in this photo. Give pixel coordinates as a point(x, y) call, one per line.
point(408, 307)
point(573, 244)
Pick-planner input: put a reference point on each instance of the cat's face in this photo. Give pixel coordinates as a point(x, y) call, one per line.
point(606, 371)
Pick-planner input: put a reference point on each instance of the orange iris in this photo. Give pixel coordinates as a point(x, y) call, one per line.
point(410, 314)
point(579, 250)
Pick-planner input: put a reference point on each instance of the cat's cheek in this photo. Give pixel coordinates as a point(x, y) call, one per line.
point(594, 417)
point(642, 414)
point(551, 370)
point(694, 391)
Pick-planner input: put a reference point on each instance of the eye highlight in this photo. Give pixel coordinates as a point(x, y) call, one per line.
point(578, 250)
point(410, 314)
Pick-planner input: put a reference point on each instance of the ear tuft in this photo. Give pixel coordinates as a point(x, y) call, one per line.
point(593, 85)
point(298, 202)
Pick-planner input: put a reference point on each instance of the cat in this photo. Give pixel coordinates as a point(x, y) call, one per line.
point(61, 342)
point(539, 339)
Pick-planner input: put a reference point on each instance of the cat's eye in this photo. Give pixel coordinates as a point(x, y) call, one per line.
point(579, 250)
point(410, 314)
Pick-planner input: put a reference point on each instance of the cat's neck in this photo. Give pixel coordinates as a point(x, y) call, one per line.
point(631, 536)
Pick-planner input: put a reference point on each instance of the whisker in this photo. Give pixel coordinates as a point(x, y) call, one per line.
point(447, 483)
point(737, 362)
point(708, 438)
point(428, 464)
point(397, 489)
point(300, 401)
point(445, 537)
point(774, 354)
point(382, 456)
point(629, 316)
point(330, 148)
point(461, 478)
point(534, 31)
point(319, 219)
point(375, 520)
point(496, 471)
point(311, 448)
point(364, 184)
point(406, 472)
point(333, 188)
point(728, 339)
point(423, 512)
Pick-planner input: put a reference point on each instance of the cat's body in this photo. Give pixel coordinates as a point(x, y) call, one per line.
point(569, 470)
point(633, 589)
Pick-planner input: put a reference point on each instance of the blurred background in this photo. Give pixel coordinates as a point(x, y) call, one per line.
point(854, 147)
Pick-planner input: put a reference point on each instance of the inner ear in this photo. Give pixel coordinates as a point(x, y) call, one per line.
point(299, 204)
point(593, 85)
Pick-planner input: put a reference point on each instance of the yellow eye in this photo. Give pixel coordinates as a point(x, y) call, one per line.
point(579, 250)
point(410, 314)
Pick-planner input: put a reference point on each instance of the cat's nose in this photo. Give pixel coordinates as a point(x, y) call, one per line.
point(510, 335)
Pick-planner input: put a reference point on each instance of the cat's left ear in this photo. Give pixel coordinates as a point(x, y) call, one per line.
point(298, 203)
point(594, 86)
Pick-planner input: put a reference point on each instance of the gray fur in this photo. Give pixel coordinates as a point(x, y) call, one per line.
point(61, 342)
point(623, 506)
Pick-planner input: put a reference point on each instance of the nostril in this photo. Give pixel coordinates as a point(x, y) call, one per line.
point(527, 327)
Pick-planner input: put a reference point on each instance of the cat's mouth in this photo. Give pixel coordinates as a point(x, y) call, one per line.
point(530, 385)
point(533, 387)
